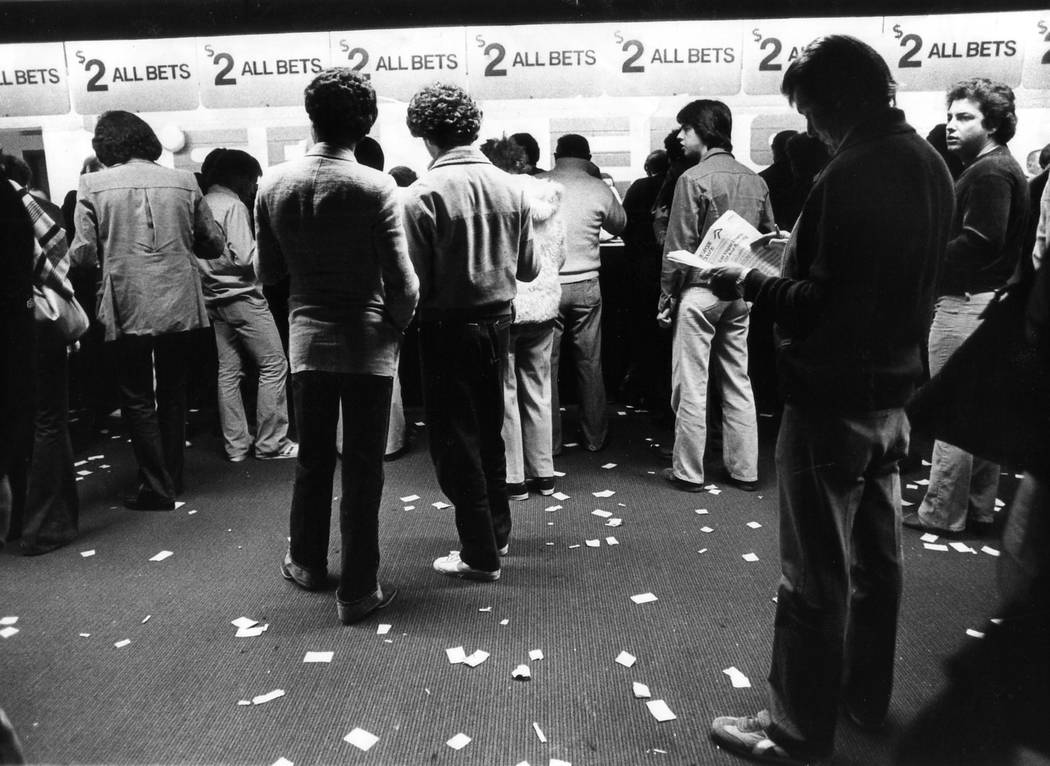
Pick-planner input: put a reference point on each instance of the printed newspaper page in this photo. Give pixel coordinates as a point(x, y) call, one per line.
point(729, 241)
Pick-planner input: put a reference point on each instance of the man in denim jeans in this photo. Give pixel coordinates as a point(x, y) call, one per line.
point(469, 233)
point(851, 307)
point(988, 234)
point(588, 206)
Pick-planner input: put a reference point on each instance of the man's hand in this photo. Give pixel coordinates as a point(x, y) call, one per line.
point(663, 319)
point(724, 281)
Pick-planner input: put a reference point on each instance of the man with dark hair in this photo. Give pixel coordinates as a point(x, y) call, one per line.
point(851, 308)
point(244, 327)
point(532, 152)
point(470, 236)
point(706, 328)
point(588, 206)
point(334, 227)
point(987, 236)
point(778, 176)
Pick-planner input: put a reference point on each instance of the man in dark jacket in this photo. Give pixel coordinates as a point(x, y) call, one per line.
point(851, 309)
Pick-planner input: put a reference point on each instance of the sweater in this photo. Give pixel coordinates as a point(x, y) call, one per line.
point(988, 228)
point(853, 301)
point(588, 206)
point(537, 301)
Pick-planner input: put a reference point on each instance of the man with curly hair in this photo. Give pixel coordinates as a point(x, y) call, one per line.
point(470, 236)
point(987, 238)
point(334, 226)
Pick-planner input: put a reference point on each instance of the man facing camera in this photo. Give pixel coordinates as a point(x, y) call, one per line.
point(851, 308)
point(334, 226)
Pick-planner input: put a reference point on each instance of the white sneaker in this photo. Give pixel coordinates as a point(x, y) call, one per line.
point(454, 566)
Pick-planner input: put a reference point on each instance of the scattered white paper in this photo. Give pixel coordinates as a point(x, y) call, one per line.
point(600, 512)
point(907, 503)
point(409, 498)
point(560, 496)
point(539, 732)
point(88, 554)
point(410, 508)
point(922, 482)
point(660, 710)
point(459, 741)
point(929, 537)
point(607, 466)
point(575, 545)
point(702, 550)
point(85, 635)
point(456, 655)
point(146, 618)
point(558, 762)
point(83, 472)
point(709, 487)
point(643, 598)
point(626, 659)
point(701, 511)
point(909, 485)
point(8, 620)
point(10, 631)
point(934, 547)
point(961, 547)
point(79, 463)
point(361, 739)
point(268, 697)
point(989, 550)
point(571, 444)
point(521, 673)
point(593, 543)
point(604, 493)
point(611, 541)
point(535, 654)
point(707, 530)
point(485, 609)
point(559, 474)
point(122, 643)
point(244, 622)
point(974, 633)
point(714, 492)
point(752, 557)
point(641, 691)
point(614, 523)
point(383, 629)
point(190, 513)
point(180, 503)
point(754, 525)
point(282, 762)
point(738, 679)
point(478, 657)
point(999, 503)
point(504, 621)
point(253, 632)
point(161, 556)
point(318, 656)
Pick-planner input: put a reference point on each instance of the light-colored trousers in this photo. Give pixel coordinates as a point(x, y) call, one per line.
point(244, 327)
point(710, 331)
point(527, 402)
point(960, 484)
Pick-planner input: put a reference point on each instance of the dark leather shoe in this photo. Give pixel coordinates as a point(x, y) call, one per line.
point(747, 486)
point(145, 500)
point(307, 579)
point(914, 521)
point(982, 529)
point(682, 484)
point(356, 610)
point(398, 453)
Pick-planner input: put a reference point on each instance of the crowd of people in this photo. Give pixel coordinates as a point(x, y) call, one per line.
point(888, 258)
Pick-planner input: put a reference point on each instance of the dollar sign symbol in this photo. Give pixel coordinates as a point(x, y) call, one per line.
point(481, 41)
point(1042, 27)
point(209, 51)
point(756, 34)
point(81, 57)
point(619, 37)
point(897, 31)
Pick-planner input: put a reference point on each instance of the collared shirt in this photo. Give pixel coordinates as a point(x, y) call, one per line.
point(334, 227)
point(470, 235)
point(145, 223)
point(704, 192)
point(233, 274)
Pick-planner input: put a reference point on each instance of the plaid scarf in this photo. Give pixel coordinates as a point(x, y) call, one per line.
point(50, 250)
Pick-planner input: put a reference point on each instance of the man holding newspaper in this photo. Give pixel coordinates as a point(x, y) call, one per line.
point(717, 202)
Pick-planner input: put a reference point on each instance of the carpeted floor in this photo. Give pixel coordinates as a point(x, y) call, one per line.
point(171, 695)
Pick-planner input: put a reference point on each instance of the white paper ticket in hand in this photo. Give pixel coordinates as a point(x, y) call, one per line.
point(729, 240)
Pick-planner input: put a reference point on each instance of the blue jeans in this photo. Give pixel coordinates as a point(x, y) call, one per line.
point(462, 365)
point(245, 328)
point(580, 315)
point(840, 585)
point(365, 403)
point(527, 403)
point(709, 331)
point(961, 484)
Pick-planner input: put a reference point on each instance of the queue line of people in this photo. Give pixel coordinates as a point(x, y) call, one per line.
point(460, 250)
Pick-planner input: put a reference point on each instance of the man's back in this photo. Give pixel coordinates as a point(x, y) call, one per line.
point(470, 234)
point(588, 206)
